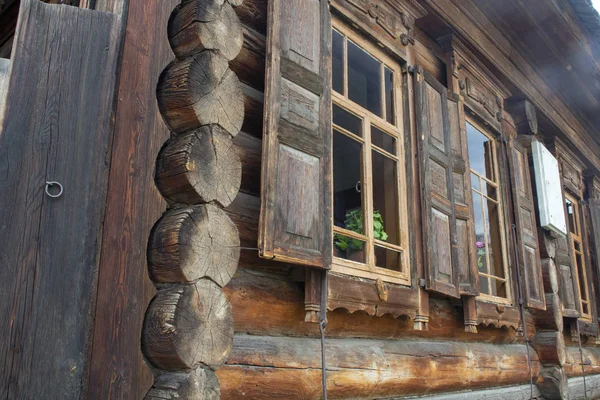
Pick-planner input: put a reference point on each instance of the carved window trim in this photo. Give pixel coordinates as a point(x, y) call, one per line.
point(368, 270)
point(503, 221)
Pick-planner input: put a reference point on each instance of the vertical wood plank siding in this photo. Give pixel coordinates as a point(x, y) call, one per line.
point(57, 128)
point(118, 370)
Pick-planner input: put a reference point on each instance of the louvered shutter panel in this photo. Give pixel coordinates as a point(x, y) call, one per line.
point(468, 275)
point(528, 250)
point(436, 177)
point(296, 202)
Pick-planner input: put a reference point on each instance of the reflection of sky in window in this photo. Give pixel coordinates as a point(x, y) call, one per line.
point(476, 142)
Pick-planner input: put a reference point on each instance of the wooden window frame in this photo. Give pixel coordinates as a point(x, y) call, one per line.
point(573, 237)
point(369, 270)
point(502, 220)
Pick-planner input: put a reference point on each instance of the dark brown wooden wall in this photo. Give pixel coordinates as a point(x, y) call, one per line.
point(57, 128)
point(133, 205)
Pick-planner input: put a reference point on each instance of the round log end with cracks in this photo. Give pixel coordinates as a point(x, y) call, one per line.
point(235, 3)
point(200, 384)
point(198, 25)
point(201, 90)
point(201, 166)
point(194, 243)
point(187, 327)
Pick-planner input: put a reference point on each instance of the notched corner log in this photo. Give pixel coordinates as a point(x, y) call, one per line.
point(188, 326)
point(200, 384)
point(196, 26)
point(200, 167)
point(193, 243)
point(201, 90)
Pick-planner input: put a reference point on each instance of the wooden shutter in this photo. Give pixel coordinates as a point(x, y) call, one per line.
point(594, 209)
point(569, 292)
point(436, 177)
point(528, 250)
point(468, 275)
point(296, 202)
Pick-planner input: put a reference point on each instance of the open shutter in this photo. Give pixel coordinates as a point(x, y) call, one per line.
point(569, 292)
point(296, 202)
point(528, 250)
point(436, 177)
point(468, 275)
point(594, 209)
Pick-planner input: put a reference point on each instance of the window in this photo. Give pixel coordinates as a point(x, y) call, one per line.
point(577, 253)
point(487, 210)
point(369, 200)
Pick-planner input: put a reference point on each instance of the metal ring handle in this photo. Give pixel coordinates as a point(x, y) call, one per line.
point(54, 183)
point(358, 186)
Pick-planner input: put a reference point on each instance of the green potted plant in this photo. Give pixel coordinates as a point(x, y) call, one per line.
point(353, 249)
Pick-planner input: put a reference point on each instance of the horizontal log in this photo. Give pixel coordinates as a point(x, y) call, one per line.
point(277, 368)
point(197, 26)
point(201, 90)
point(249, 65)
point(201, 384)
point(550, 347)
point(551, 318)
point(249, 151)
point(591, 361)
point(266, 302)
point(192, 243)
point(254, 14)
point(188, 326)
point(200, 166)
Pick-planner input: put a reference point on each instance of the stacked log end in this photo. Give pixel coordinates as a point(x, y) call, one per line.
point(194, 249)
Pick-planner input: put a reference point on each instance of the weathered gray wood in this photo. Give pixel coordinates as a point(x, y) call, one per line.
point(187, 326)
point(4, 71)
point(193, 243)
point(201, 90)
point(196, 26)
point(552, 383)
point(198, 384)
point(437, 185)
point(550, 347)
point(526, 227)
point(57, 128)
point(296, 199)
point(200, 167)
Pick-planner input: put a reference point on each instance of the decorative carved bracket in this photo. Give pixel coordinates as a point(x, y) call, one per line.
point(393, 23)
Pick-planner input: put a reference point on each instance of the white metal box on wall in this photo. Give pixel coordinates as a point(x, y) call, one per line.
point(549, 191)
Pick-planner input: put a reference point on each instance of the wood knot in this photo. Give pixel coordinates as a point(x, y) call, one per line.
point(500, 308)
point(382, 290)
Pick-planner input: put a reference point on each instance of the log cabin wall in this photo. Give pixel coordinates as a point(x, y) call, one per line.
point(259, 342)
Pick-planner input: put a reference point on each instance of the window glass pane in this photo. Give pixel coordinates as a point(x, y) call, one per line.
point(480, 152)
point(337, 53)
point(347, 120)
point(580, 271)
point(347, 198)
point(585, 308)
point(484, 284)
point(571, 216)
point(389, 96)
point(498, 288)
point(382, 140)
point(480, 239)
point(492, 216)
point(349, 248)
point(385, 199)
point(388, 259)
point(475, 182)
point(364, 79)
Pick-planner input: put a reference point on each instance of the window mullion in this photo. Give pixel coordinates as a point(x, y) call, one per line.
point(345, 68)
point(368, 193)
